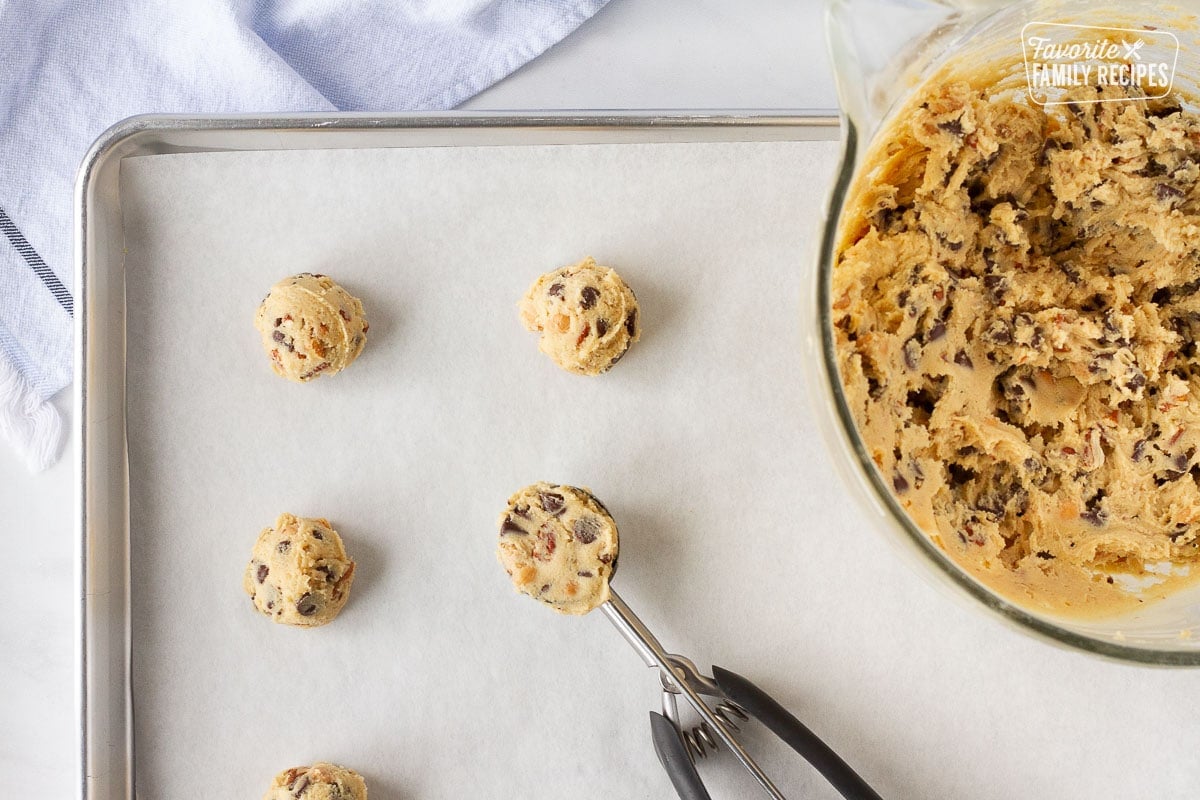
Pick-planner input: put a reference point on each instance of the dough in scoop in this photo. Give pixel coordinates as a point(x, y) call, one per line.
point(559, 546)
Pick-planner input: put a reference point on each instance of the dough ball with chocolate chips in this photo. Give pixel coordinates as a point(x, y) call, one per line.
point(321, 781)
point(299, 573)
point(310, 327)
point(559, 546)
point(586, 314)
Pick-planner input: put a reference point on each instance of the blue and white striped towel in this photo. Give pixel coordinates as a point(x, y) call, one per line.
point(71, 68)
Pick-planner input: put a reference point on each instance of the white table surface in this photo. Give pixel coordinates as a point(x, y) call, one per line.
point(1116, 730)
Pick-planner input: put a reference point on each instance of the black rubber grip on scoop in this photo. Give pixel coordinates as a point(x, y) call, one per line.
point(673, 754)
point(761, 706)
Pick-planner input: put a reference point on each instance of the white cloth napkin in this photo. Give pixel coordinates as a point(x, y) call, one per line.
point(71, 68)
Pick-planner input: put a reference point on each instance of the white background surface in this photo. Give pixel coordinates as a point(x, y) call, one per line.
point(1043, 723)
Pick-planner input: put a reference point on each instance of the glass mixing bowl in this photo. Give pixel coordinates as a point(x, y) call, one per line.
point(882, 51)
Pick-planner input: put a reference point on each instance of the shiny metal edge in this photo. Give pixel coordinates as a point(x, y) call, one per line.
point(103, 640)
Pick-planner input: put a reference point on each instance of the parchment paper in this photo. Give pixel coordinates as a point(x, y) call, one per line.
point(738, 545)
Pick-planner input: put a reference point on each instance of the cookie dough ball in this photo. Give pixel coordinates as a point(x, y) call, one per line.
point(310, 326)
point(559, 546)
point(586, 314)
point(321, 781)
point(299, 573)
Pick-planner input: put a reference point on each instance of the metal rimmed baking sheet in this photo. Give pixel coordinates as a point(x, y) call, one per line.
point(137, 648)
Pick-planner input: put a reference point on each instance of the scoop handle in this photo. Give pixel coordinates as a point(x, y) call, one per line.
point(672, 752)
point(761, 706)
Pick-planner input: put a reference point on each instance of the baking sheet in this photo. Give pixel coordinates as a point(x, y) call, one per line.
point(738, 547)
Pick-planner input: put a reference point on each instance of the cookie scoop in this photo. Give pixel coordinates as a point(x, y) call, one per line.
point(559, 545)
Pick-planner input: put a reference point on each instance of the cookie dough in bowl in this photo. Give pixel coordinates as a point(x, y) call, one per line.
point(299, 572)
point(559, 546)
point(321, 781)
point(1015, 302)
point(311, 326)
point(587, 315)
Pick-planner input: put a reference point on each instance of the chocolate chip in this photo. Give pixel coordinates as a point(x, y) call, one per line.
point(344, 314)
point(1070, 271)
point(278, 336)
point(953, 127)
point(284, 546)
point(508, 526)
point(917, 472)
point(588, 297)
point(317, 534)
point(555, 290)
point(586, 530)
point(521, 510)
point(1139, 449)
point(1167, 108)
point(584, 573)
point(912, 352)
point(601, 327)
point(262, 573)
point(278, 321)
point(885, 217)
point(899, 483)
point(997, 286)
point(991, 504)
point(605, 558)
point(953, 247)
point(301, 786)
point(936, 332)
point(999, 332)
point(1095, 513)
point(552, 503)
point(959, 475)
point(963, 360)
point(631, 322)
point(307, 605)
point(1165, 191)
